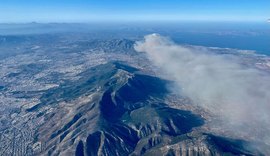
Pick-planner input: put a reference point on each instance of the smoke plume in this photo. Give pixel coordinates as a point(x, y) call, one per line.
point(218, 83)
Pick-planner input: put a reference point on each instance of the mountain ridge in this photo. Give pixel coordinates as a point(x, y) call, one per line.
point(114, 110)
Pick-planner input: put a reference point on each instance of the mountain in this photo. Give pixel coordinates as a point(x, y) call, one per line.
point(113, 45)
point(114, 109)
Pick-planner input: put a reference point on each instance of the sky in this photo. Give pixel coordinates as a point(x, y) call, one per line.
point(133, 10)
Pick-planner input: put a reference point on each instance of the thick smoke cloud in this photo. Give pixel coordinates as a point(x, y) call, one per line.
point(219, 83)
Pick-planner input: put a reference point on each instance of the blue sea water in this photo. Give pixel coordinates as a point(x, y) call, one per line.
point(259, 43)
point(245, 36)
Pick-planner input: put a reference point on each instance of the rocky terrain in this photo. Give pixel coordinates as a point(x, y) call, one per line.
point(85, 96)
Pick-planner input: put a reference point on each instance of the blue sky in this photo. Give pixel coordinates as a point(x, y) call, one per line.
point(133, 10)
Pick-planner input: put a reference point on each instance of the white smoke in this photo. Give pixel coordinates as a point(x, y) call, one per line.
point(219, 83)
